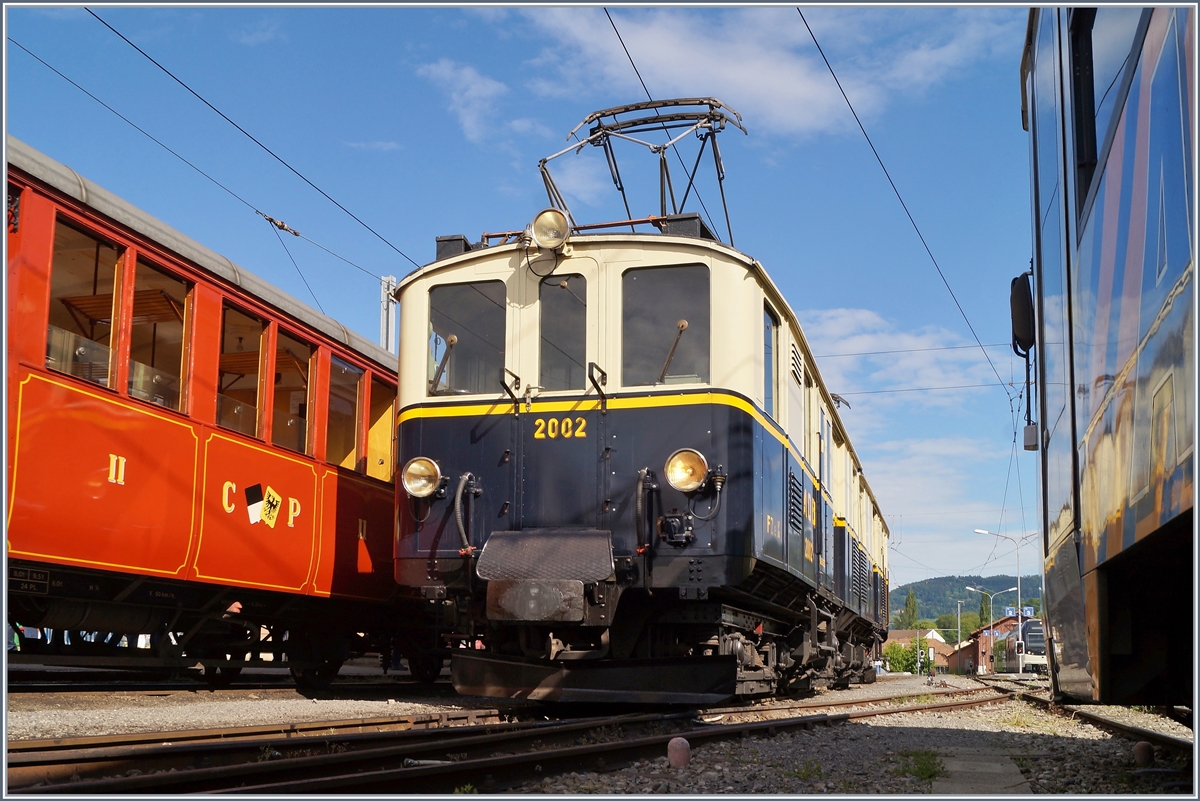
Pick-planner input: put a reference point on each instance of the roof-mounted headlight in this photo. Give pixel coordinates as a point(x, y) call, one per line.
point(686, 470)
point(421, 477)
point(549, 229)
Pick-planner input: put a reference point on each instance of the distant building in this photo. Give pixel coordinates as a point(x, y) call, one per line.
point(976, 651)
point(932, 639)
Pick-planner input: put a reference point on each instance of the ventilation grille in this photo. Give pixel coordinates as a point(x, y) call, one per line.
point(795, 503)
point(797, 367)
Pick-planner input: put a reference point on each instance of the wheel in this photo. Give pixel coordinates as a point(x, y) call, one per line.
point(425, 668)
point(220, 675)
point(317, 677)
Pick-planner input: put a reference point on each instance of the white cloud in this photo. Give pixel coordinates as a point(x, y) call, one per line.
point(374, 145)
point(584, 178)
point(472, 97)
point(761, 61)
point(264, 31)
point(895, 359)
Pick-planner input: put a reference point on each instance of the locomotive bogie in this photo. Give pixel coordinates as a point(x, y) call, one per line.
point(616, 446)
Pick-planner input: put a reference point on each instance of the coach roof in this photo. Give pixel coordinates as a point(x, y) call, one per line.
point(64, 179)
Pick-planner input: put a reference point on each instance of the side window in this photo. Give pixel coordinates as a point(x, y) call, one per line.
point(342, 431)
point(563, 345)
point(770, 349)
point(466, 338)
point(381, 430)
point(241, 354)
point(82, 283)
point(290, 421)
point(157, 344)
point(664, 326)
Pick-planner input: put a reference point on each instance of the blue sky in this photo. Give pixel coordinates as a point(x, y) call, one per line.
point(431, 121)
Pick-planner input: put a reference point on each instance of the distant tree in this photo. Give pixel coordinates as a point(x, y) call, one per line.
point(948, 625)
point(985, 608)
point(908, 619)
point(923, 623)
point(899, 658)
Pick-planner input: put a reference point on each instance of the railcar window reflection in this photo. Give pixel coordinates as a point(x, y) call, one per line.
point(380, 432)
point(289, 428)
point(1102, 48)
point(564, 332)
point(241, 351)
point(156, 342)
point(466, 338)
point(342, 440)
point(655, 301)
point(82, 282)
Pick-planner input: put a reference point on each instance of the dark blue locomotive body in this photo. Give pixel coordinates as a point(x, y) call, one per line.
point(602, 536)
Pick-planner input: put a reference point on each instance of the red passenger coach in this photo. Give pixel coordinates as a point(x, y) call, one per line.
point(193, 455)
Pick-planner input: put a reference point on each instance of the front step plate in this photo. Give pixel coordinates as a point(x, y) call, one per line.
point(683, 680)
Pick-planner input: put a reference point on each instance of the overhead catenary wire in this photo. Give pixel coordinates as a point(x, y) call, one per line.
point(297, 266)
point(903, 205)
point(252, 138)
point(165, 147)
point(650, 97)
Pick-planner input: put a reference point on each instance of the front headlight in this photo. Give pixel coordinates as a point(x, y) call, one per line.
point(421, 477)
point(686, 470)
point(549, 229)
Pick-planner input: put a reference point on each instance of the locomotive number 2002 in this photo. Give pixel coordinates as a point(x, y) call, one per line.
point(554, 427)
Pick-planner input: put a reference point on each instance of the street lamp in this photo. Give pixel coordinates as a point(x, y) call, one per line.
point(992, 616)
point(1017, 545)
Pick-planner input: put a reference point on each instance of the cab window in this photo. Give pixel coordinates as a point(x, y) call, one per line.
point(241, 354)
point(466, 338)
point(156, 342)
point(82, 291)
point(342, 430)
point(564, 332)
point(289, 427)
point(665, 325)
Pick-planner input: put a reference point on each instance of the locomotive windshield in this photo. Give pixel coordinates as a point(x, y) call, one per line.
point(564, 329)
point(466, 338)
point(657, 348)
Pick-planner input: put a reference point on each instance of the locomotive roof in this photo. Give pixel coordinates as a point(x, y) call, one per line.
point(667, 240)
point(64, 179)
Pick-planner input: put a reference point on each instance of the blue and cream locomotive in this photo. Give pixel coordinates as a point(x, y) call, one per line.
point(622, 477)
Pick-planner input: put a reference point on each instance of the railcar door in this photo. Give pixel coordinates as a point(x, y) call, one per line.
point(560, 425)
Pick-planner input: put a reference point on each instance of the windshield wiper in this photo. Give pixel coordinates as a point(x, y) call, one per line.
point(682, 326)
point(451, 341)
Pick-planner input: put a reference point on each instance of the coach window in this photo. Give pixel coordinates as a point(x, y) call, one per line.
point(156, 344)
point(241, 346)
point(379, 433)
point(564, 332)
point(290, 426)
point(342, 439)
point(664, 325)
point(770, 349)
point(82, 284)
point(466, 338)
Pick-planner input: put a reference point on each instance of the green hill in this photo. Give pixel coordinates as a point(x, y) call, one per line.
point(939, 596)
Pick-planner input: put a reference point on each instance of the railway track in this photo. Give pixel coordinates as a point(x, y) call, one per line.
point(395, 756)
point(1093, 715)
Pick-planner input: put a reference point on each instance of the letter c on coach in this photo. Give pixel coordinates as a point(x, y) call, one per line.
point(226, 501)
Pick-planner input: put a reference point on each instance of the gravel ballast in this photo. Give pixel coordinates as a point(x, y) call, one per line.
point(891, 754)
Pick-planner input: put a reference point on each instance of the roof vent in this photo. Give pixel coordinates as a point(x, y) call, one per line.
point(685, 225)
point(455, 245)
